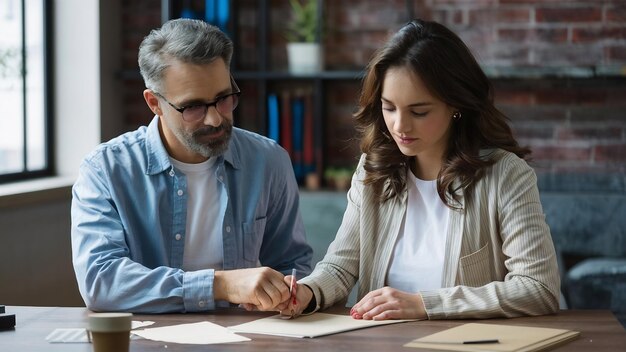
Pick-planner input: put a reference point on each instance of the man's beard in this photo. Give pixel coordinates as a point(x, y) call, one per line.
point(198, 141)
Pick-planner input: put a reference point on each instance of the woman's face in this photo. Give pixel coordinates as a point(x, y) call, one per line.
point(418, 122)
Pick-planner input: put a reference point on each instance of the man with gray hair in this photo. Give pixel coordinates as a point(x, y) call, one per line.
point(188, 213)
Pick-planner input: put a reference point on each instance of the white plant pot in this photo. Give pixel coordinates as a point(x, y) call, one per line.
point(304, 58)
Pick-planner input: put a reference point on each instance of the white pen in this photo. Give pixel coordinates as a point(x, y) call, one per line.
point(292, 287)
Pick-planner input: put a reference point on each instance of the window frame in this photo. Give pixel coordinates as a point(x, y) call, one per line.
point(48, 100)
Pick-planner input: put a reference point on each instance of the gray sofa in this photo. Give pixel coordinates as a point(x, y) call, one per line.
point(587, 218)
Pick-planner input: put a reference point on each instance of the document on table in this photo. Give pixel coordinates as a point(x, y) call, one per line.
point(202, 333)
point(510, 338)
point(79, 335)
point(314, 325)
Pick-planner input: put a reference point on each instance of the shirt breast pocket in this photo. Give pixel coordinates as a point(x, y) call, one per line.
point(475, 269)
point(253, 239)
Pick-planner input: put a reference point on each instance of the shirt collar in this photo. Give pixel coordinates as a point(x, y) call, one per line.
point(158, 158)
point(231, 155)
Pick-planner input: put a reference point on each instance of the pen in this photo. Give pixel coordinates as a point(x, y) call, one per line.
point(292, 287)
point(466, 342)
point(470, 342)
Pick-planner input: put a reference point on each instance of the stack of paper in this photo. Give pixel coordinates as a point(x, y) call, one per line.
point(318, 324)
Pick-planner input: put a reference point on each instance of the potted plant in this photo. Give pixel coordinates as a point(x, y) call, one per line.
point(339, 177)
point(303, 51)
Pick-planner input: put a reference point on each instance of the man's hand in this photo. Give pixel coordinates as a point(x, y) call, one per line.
point(389, 303)
point(263, 287)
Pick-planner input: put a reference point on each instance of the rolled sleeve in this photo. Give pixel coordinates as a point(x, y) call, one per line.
point(198, 290)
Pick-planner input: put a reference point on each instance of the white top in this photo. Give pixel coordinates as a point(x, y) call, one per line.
point(418, 256)
point(205, 216)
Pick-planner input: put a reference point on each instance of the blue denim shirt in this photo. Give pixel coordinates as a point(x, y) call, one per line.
point(129, 220)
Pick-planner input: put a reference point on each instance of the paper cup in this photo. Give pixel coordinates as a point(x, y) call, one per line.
point(110, 332)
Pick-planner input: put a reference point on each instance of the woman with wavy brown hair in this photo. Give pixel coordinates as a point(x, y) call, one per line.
point(443, 219)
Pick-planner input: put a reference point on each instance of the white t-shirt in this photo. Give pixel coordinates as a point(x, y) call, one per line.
point(206, 206)
point(417, 259)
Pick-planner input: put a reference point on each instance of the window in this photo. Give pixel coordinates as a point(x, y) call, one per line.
point(25, 120)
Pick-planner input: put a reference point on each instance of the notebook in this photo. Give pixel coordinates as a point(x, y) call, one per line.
point(510, 338)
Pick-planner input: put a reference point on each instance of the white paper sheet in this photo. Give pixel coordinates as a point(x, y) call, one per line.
point(136, 324)
point(79, 335)
point(314, 325)
point(202, 333)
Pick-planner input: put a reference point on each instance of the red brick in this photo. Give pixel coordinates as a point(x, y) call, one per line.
point(568, 14)
point(513, 97)
point(616, 54)
point(561, 153)
point(598, 115)
point(616, 14)
point(534, 113)
point(481, 16)
point(568, 55)
point(571, 97)
point(529, 2)
point(531, 133)
point(549, 35)
point(602, 133)
point(610, 153)
point(585, 35)
point(510, 55)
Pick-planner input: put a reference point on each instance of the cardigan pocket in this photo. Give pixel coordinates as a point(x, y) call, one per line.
point(253, 239)
point(474, 268)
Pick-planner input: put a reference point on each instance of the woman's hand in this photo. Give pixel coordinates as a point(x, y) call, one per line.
point(389, 303)
point(291, 307)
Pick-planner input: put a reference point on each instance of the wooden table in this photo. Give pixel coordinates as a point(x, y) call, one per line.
point(600, 331)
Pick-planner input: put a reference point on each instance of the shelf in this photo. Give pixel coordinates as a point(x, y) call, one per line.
point(285, 75)
point(271, 75)
point(493, 72)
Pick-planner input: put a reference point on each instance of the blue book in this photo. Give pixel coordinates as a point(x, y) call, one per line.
point(273, 118)
point(187, 11)
point(223, 13)
point(210, 9)
point(297, 112)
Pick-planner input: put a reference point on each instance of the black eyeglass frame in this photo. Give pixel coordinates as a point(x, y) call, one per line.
point(214, 103)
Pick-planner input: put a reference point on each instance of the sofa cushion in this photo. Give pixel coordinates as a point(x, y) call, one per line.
point(598, 283)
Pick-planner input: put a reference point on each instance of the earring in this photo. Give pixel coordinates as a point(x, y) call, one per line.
point(457, 115)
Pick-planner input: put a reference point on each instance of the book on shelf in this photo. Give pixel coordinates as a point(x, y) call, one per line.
point(273, 119)
point(285, 117)
point(297, 114)
point(290, 123)
point(217, 12)
point(308, 152)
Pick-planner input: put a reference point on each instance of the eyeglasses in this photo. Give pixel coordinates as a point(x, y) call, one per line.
point(224, 105)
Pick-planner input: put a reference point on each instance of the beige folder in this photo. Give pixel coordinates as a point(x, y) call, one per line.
point(510, 338)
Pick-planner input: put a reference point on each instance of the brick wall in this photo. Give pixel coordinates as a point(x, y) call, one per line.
point(559, 67)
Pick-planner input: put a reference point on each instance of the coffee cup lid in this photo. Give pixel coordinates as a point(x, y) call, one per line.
point(109, 322)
